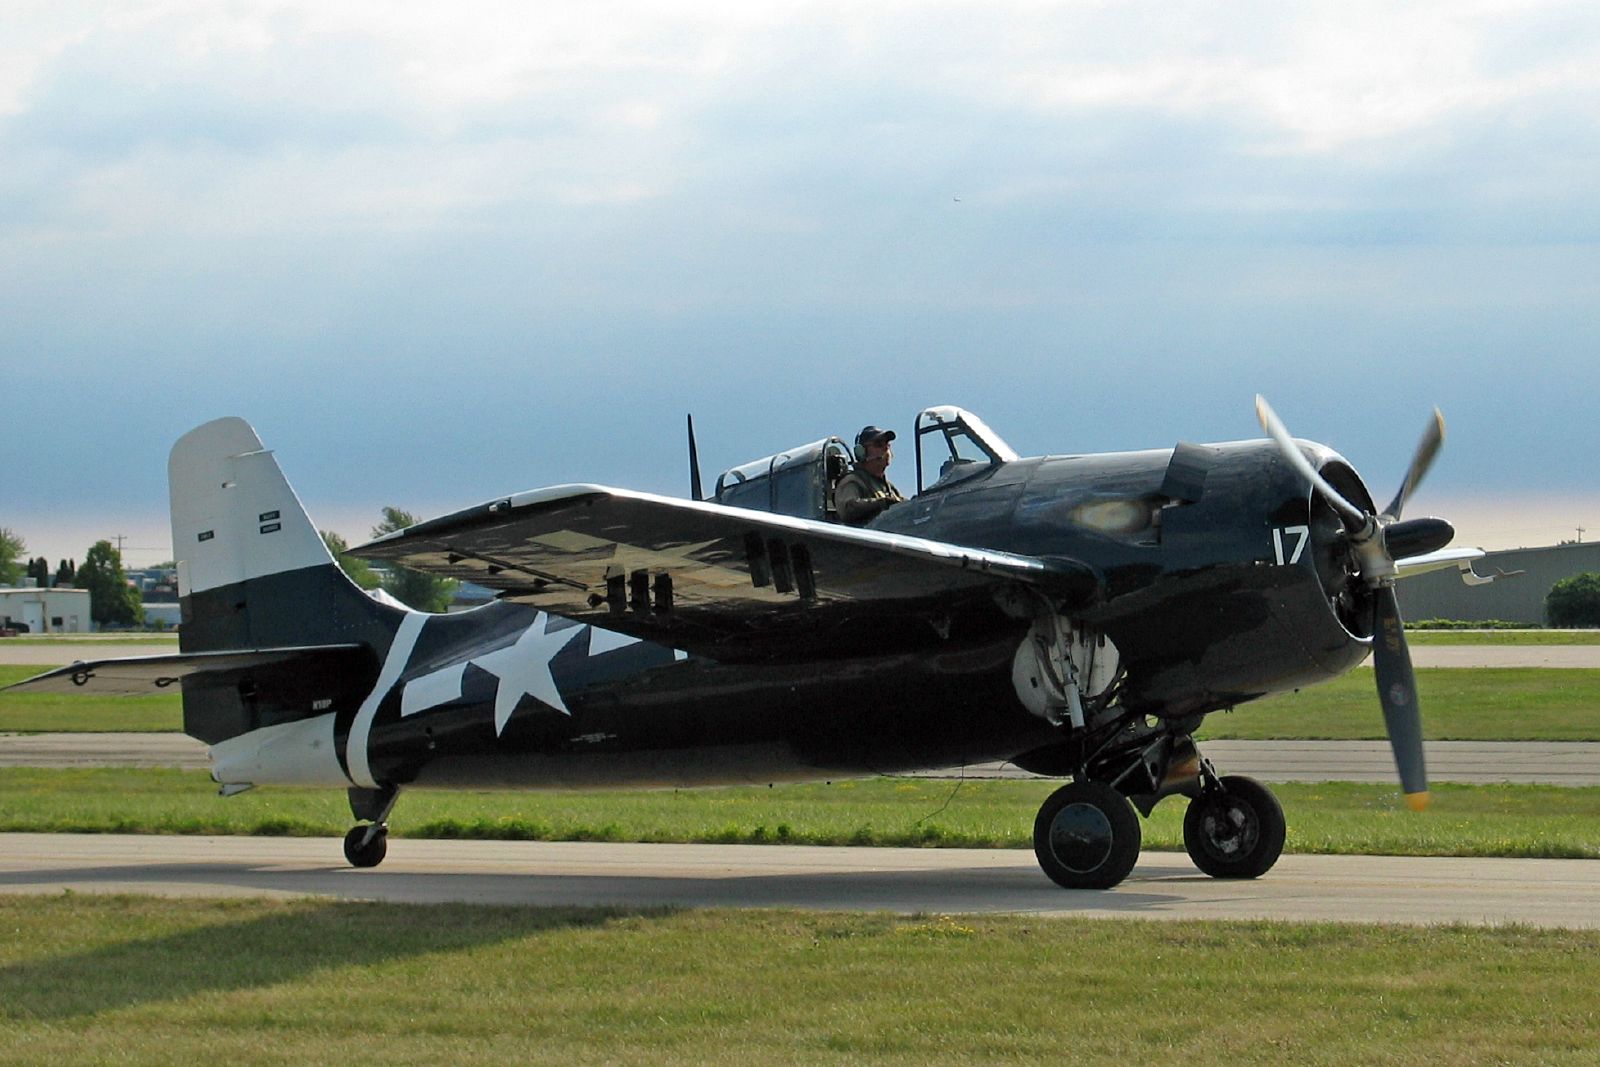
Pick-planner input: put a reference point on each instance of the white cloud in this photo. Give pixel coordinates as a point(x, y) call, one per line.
point(626, 102)
point(1137, 182)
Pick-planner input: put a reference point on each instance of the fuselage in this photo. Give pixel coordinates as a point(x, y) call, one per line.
point(1212, 601)
point(1216, 589)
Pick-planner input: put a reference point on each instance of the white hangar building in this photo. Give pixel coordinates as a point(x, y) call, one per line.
point(45, 611)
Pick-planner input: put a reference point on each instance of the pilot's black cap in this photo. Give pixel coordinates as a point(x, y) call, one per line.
point(871, 434)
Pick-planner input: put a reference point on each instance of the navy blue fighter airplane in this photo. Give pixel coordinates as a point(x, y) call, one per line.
point(1077, 616)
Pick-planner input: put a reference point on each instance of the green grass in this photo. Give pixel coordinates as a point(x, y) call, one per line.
point(150, 981)
point(120, 637)
point(1507, 637)
point(75, 712)
point(1498, 820)
point(1478, 704)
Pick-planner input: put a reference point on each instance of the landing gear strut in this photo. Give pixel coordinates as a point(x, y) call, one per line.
point(1086, 836)
point(1234, 829)
point(365, 846)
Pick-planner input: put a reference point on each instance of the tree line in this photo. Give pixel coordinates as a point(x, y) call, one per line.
point(414, 589)
point(1572, 602)
point(114, 602)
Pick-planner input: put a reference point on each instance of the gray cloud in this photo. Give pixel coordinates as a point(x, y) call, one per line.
point(538, 238)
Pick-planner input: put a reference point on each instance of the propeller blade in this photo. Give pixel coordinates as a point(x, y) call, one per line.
point(1397, 692)
point(1427, 448)
point(1355, 520)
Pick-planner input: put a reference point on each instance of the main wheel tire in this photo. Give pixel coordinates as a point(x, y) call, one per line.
point(363, 853)
point(1086, 836)
point(1236, 831)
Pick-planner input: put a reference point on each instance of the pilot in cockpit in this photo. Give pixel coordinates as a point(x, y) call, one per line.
point(866, 491)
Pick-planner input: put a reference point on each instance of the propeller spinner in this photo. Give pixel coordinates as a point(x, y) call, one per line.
point(1376, 541)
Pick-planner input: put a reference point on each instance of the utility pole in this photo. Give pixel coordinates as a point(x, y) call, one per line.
point(1580, 535)
point(119, 538)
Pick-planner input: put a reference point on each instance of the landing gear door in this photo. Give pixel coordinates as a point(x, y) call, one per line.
point(952, 445)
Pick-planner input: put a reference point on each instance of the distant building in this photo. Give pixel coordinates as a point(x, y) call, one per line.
point(46, 611)
point(1517, 598)
point(152, 579)
point(159, 592)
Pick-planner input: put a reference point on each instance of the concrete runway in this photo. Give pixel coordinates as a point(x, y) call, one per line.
point(1165, 885)
point(102, 750)
point(1579, 657)
point(1572, 763)
point(20, 651)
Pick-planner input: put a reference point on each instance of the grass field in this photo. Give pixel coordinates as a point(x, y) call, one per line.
point(1503, 637)
point(1501, 820)
point(1482, 704)
point(148, 981)
point(72, 712)
point(119, 637)
point(1478, 704)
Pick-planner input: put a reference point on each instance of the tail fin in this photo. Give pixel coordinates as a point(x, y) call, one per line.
point(253, 573)
point(252, 570)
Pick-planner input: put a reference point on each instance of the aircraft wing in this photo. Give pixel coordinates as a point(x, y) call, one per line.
point(729, 582)
point(1460, 558)
point(139, 675)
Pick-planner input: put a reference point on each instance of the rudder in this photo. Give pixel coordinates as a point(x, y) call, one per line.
point(253, 573)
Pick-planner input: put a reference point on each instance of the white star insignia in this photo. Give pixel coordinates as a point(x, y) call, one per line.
point(524, 669)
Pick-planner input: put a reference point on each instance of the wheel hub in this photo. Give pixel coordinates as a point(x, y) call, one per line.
point(1231, 829)
point(1081, 837)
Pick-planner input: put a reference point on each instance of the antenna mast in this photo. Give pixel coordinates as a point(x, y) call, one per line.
point(695, 492)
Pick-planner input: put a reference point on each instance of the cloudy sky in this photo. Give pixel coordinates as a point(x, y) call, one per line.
point(436, 253)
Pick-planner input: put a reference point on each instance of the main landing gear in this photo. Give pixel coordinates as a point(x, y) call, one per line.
point(365, 846)
point(1234, 830)
point(1087, 835)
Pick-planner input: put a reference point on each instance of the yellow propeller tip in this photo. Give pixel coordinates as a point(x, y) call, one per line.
point(1418, 801)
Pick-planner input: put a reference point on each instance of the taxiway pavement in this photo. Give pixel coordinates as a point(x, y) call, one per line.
point(21, 651)
point(1571, 763)
point(1164, 885)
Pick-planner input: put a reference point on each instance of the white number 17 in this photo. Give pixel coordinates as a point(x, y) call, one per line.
point(1302, 534)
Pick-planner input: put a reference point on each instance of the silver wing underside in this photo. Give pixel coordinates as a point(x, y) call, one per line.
point(704, 577)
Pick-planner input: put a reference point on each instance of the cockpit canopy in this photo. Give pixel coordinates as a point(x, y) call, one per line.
point(951, 445)
point(796, 482)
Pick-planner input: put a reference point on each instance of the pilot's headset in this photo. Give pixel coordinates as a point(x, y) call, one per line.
point(869, 432)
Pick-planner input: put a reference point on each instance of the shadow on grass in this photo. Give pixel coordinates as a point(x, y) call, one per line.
point(234, 948)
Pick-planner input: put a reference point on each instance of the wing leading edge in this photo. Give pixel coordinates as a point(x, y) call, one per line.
point(719, 580)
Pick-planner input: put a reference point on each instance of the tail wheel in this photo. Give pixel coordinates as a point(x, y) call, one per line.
point(1086, 836)
point(1236, 831)
point(365, 846)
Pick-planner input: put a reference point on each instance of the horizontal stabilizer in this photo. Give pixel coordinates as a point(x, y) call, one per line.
point(138, 675)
